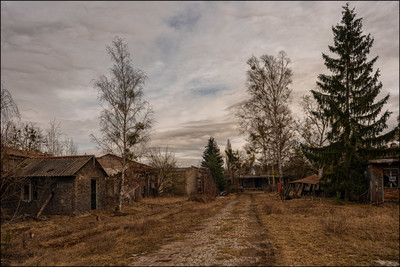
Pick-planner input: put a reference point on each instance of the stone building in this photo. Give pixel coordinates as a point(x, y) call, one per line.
point(193, 180)
point(68, 185)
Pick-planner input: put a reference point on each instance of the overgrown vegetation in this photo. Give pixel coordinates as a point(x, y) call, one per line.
point(318, 232)
point(103, 237)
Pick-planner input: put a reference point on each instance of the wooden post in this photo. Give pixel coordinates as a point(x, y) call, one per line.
point(44, 205)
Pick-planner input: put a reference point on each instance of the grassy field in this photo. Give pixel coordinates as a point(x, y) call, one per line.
point(112, 240)
point(303, 232)
point(313, 232)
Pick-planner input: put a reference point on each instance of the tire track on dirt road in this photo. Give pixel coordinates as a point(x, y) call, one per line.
point(233, 236)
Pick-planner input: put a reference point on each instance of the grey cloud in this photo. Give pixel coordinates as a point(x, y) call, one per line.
point(194, 53)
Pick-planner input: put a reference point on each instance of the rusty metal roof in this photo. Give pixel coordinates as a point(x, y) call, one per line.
point(52, 166)
point(313, 179)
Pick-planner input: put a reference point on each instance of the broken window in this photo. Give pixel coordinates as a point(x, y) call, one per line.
point(29, 191)
point(391, 177)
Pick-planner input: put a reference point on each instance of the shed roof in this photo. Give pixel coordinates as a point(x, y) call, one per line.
point(313, 179)
point(384, 161)
point(52, 166)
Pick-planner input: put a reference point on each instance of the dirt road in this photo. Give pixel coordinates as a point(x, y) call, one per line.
point(231, 237)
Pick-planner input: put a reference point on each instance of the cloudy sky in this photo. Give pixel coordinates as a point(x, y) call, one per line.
point(194, 54)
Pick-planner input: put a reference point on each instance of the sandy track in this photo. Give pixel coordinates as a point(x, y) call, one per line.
point(231, 237)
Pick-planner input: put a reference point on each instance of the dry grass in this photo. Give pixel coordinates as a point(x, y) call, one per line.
point(113, 240)
point(314, 232)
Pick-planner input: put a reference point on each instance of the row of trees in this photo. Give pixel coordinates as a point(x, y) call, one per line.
point(28, 136)
point(341, 129)
point(343, 122)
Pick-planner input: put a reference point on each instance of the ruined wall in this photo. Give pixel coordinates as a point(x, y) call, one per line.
point(61, 201)
point(191, 175)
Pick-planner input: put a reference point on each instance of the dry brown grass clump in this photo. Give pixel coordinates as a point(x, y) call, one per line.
point(102, 237)
point(317, 232)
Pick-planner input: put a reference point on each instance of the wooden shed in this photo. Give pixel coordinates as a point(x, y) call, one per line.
point(384, 180)
point(305, 186)
point(67, 185)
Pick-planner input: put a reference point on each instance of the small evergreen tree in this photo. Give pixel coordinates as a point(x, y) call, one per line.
point(347, 99)
point(212, 160)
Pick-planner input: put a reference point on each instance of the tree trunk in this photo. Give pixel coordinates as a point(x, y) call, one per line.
point(273, 174)
point(321, 171)
point(280, 172)
point(121, 190)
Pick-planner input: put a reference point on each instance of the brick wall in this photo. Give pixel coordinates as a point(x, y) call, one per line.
point(82, 203)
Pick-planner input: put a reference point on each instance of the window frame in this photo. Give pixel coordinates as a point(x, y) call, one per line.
point(31, 194)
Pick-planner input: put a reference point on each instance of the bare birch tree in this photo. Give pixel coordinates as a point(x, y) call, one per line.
point(53, 143)
point(164, 161)
point(314, 128)
point(9, 111)
point(266, 116)
point(126, 118)
point(70, 147)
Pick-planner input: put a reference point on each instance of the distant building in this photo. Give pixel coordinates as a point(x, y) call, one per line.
point(192, 180)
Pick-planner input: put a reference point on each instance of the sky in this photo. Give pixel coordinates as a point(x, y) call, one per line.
point(194, 54)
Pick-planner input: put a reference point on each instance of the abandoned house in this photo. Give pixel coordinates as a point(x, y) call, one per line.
point(192, 180)
point(256, 182)
point(308, 186)
point(67, 185)
point(140, 179)
point(384, 180)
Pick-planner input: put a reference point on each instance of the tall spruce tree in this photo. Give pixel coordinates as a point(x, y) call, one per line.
point(347, 99)
point(212, 160)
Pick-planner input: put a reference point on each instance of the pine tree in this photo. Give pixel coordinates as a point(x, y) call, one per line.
point(347, 99)
point(212, 160)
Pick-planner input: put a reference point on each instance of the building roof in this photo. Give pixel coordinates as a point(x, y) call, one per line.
point(24, 154)
point(112, 164)
point(384, 161)
point(257, 176)
point(52, 166)
point(313, 179)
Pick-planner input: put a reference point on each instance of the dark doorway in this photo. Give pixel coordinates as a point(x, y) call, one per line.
point(93, 195)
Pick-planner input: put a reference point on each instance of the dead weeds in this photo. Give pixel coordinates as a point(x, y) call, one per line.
point(317, 232)
point(101, 238)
